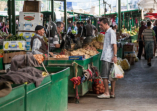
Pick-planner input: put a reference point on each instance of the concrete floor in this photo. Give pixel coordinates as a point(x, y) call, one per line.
point(136, 92)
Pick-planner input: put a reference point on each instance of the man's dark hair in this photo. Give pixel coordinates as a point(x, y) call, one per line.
point(149, 23)
point(81, 23)
point(59, 24)
point(78, 23)
point(104, 20)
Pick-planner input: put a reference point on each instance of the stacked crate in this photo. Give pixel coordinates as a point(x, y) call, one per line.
point(28, 20)
point(129, 53)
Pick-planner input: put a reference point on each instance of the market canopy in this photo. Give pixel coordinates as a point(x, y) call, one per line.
point(147, 4)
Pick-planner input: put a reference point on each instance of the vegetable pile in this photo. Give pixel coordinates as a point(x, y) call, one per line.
point(15, 38)
point(39, 58)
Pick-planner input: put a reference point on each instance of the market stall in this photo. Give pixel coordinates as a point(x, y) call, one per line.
point(51, 94)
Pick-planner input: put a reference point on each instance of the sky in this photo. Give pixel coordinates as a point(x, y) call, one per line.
point(85, 4)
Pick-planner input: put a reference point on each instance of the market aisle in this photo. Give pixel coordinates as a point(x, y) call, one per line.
point(136, 92)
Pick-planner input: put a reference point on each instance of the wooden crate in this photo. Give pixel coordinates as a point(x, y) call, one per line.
point(32, 6)
point(7, 57)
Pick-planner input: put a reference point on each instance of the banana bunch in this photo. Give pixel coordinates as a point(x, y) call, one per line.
point(125, 64)
point(44, 74)
point(100, 38)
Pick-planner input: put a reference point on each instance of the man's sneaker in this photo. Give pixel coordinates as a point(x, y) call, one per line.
point(104, 96)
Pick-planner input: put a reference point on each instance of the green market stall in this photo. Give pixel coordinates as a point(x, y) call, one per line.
point(81, 64)
point(52, 94)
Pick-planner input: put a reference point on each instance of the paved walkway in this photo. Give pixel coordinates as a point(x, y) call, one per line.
point(136, 92)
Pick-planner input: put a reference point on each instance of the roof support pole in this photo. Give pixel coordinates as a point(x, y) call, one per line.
point(13, 18)
point(9, 13)
point(119, 15)
point(65, 15)
point(52, 10)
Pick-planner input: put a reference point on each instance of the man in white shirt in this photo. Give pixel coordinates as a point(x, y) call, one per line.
point(108, 57)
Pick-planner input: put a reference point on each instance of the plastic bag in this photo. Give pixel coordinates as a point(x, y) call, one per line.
point(125, 64)
point(117, 72)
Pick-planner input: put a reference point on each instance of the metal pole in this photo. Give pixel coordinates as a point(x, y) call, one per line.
point(52, 10)
point(13, 18)
point(80, 17)
point(9, 13)
point(123, 19)
point(119, 15)
point(73, 17)
point(127, 5)
point(99, 7)
point(65, 14)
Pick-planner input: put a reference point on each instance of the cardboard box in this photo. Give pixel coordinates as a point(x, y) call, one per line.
point(27, 35)
point(131, 60)
point(31, 17)
point(129, 48)
point(129, 54)
point(28, 26)
point(28, 46)
point(32, 6)
point(14, 45)
point(8, 56)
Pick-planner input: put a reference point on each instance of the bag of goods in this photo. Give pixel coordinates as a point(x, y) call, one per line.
point(98, 86)
point(136, 59)
point(119, 60)
point(39, 58)
point(117, 72)
point(125, 64)
point(100, 38)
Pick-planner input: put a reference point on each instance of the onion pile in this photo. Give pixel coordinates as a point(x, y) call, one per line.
point(98, 86)
point(39, 58)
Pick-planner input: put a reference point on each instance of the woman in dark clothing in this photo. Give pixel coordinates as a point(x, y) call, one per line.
point(155, 30)
point(140, 42)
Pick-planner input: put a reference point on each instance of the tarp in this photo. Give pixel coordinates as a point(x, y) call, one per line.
point(147, 4)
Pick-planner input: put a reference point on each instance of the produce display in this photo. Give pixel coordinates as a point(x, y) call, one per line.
point(1, 55)
point(39, 58)
point(96, 44)
point(15, 38)
point(2, 37)
point(1, 51)
point(130, 33)
point(88, 51)
point(61, 56)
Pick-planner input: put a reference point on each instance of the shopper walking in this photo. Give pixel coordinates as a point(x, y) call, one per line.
point(148, 38)
point(155, 30)
point(140, 42)
point(108, 57)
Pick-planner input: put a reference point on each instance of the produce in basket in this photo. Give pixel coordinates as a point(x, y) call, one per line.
point(61, 56)
point(39, 58)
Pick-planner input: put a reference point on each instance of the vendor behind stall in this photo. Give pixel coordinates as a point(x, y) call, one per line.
point(38, 45)
point(89, 32)
point(58, 38)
